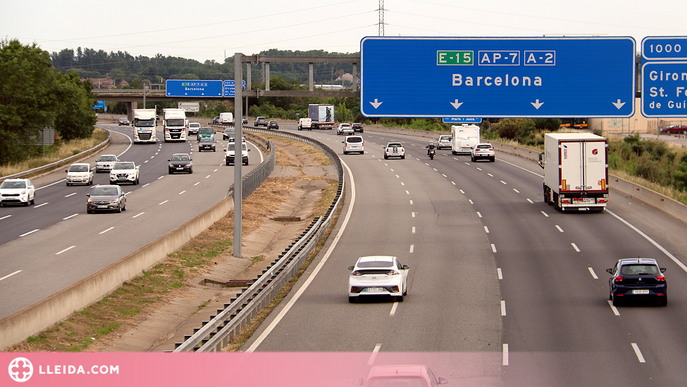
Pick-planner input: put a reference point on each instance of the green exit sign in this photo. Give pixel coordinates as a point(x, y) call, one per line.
point(452, 58)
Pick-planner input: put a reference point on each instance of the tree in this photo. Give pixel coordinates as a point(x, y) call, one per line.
point(27, 102)
point(75, 117)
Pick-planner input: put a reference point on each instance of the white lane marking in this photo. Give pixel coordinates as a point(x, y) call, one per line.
point(545, 214)
point(504, 359)
point(106, 230)
point(412, 230)
point(407, 192)
point(516, 191)
point(493, 248)
point(503, 182)
point(5, 217)
point(463, 192)
point(490, 175)
point(160, 177)
point(182, 192)
point(653, 242)
point(530, 200)
point(215, 170)
point(411, 202)
point(145, 185)
point(398, 177)
point(478, 168)
point(443, 175)
point(373, 356)
point(207, 176)
point(499, 273)
point(503, 307)
point(65, 250)
point(486, 229)
point(145, 162)
point(393, 309)
point(70, 216)
point(559, 228)
point(159, 204)
point(436, 170)
point(479, 214)
point(314, 273)
point(613, 308)
point(137, 215)
point(402, 183)
point(453, 182)
point(196, 184)
point(575, 247)
point(9, 275)
point(41, 205)
point(412, 248)
point(593, 273)
point(471, 202)
point(71, 194)
point(27, 233)
point(638, 353)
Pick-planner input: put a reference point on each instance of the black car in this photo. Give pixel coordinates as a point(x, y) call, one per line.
point(229, 134)
point(123, 121)
point(357, 127)
point(180, 162)
point(261, 121)
point(637, 278)
point(106, 198)
point(273, 125)
point(206, 143)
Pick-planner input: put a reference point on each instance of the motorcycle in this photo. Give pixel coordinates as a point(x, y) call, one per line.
point(431, 153)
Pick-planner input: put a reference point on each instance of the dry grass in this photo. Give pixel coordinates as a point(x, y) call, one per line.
point(124, 308)
point(66, 149)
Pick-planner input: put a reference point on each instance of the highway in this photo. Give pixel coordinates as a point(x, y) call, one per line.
point(52, 245)
point(503, 289)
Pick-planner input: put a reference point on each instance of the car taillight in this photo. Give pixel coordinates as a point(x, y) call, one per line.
point(661, 278)
point(356, 272)
point(393, 272)
point(403, 150)
point(618, 278)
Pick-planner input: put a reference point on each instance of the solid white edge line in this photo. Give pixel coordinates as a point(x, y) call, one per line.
point(314, 273)
point(9, 275)
point(638, 353)
point(373, 356)
point(504, 360)
point(653, 242)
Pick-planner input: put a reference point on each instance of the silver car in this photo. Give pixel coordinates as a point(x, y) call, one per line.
point(105, 163)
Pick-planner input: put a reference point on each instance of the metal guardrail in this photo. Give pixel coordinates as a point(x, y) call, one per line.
point(228, 323)
point(56, 164)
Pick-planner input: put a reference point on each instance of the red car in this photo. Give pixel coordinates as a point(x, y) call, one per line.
point(675, 129)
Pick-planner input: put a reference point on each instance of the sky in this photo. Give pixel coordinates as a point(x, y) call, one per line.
point(214, 30)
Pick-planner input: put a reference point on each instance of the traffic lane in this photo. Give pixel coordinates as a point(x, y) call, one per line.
point(69, 251)
point(372, 231)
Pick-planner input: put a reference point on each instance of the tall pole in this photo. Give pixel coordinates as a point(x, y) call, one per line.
point(381, 17)
point(238, 152)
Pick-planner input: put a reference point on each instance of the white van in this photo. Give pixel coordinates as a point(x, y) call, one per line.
point(305, 123)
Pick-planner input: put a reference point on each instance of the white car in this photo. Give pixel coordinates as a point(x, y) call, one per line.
point(345, 129)
point(79, 173)
point(105, 163)
point(394, 149)
point(483, 151)
point(193, 127)
point(305, 123)
point(379, 275)
point(230, 152)
point(444, 141)
point(17, 191)
point(401, 375)
point(125, 172)
point(353, 144)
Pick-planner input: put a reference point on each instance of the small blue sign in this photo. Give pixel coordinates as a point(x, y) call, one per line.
point(193, 88)
point(497, 77)
point(462, 120)
point(100, 105)
point(230, 88)
point(664, 48)
point(664, 89)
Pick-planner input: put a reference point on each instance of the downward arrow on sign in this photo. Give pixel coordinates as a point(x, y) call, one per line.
point(618, 104)
point(376, 103)
point(456, 104)
point(537, 104)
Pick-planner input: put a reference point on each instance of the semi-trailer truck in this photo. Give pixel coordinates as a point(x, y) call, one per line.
point(464, 138)
point(575, 171)
point(322, 116)
point(144, 126)
point(174, 121)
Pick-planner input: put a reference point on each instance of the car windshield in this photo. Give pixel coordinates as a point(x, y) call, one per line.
point(13, 184)
point(123, 166)
point(175, 122)
point(78, 168)
point(144, 123)
point(206, 130)
point(107, 158)
point(372, 264)
point(393, 144)
point(180, 158)
point(104, 191)
point(397, 381)
point(639, 269)
point(194, 125)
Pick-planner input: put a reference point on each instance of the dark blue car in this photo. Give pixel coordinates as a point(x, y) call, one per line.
point(637, 278)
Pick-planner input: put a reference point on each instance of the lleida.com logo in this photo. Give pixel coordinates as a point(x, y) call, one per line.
point(595, 152)
point(20, 369)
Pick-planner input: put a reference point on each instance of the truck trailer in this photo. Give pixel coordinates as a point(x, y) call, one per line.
point(464, 138)
point(144, 126)
point(174, 121)
point(226, 118)
point(322, 116)
point(575, 171)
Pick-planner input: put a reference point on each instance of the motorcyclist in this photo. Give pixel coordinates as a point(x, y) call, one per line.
point(431, 147)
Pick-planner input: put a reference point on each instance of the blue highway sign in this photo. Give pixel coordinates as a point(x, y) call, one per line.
point(230, 88)
point(664, 89)
point(462, 120)
point(497, 77)
point(664, 48)
point(193, 88)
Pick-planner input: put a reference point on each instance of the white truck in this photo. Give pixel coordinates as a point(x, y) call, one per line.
point(322, 116)
point(144, 126)
point(174, 121)
point(464, 138)
point(575, 171)
point(226, 119)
